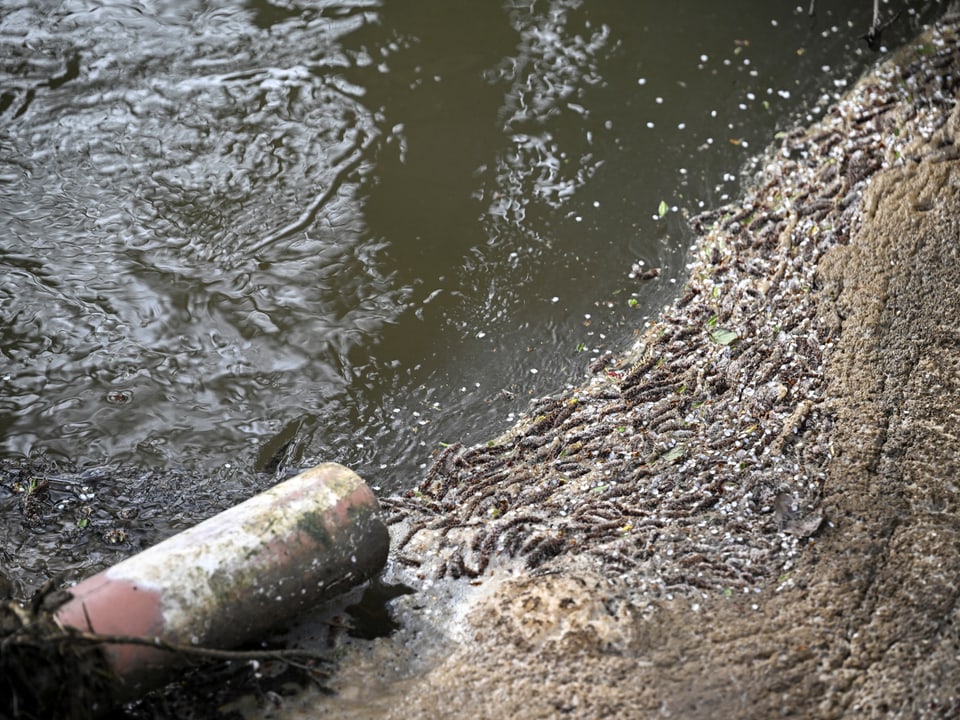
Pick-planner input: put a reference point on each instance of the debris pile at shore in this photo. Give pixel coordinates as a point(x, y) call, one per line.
point(696, 462)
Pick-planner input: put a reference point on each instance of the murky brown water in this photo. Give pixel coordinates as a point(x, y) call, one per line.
point(254, 234)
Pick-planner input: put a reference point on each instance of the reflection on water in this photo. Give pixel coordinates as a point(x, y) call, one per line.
point(263, 235)
point(198, 256)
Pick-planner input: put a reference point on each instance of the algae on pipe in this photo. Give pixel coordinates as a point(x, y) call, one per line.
point(232, 577)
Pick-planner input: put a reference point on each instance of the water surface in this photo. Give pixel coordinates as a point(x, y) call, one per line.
point(260, 235)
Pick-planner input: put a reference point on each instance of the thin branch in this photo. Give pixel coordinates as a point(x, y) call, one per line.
point(294, 658)
point(874, 35)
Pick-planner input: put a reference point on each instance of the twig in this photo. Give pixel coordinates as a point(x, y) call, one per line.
point(294, 658)
point(874, 35)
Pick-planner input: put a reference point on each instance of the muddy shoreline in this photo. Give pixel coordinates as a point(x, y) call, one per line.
point(754, 512)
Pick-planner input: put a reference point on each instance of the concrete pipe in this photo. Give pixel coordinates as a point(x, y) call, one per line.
point(230, 578)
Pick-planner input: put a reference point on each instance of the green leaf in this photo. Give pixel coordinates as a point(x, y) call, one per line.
point(633, 302)
point(662, 210)
point(674, 453)
point(722, 336)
